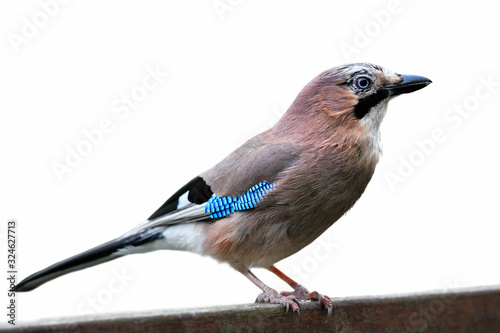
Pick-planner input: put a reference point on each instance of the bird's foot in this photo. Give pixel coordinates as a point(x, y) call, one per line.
point(272, 296)
point(301, 293)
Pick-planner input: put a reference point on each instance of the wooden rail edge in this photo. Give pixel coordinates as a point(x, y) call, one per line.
point(459, 310)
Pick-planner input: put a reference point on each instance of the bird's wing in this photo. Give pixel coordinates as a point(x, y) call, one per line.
point(237, 183)
point(247, 171)
point(261, 158)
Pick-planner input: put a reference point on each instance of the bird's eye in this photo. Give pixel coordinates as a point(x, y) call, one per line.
point(363, 82)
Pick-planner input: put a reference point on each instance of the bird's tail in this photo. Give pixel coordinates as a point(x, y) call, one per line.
point(97, 255)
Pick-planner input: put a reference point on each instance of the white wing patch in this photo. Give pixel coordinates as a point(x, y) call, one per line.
point(183, 201)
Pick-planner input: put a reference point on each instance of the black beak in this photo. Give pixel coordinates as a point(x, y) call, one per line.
point(410, 84)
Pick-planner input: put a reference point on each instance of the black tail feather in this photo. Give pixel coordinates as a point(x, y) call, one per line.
point(89, 258)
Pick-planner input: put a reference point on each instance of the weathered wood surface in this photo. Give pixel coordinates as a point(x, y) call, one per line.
point(462, 310)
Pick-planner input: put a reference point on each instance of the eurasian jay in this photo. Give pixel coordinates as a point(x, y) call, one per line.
point(277, 192)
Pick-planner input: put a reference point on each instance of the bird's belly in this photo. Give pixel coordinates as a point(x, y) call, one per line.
point(263, 237)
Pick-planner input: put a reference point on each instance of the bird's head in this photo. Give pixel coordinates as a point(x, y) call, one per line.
point(353, 96)
point(369, 87)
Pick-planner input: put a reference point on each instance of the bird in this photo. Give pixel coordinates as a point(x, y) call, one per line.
point(278, 191)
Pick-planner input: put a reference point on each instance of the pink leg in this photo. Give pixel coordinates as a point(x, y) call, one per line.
point(271, 295)
point(301, 292)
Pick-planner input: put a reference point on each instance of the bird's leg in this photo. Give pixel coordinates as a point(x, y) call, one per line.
point(301, 292)
point(271, 295)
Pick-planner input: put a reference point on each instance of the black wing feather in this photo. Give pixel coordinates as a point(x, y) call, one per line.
point(199, 192)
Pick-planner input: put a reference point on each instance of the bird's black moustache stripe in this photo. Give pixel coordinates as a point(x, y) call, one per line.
point(366, 103)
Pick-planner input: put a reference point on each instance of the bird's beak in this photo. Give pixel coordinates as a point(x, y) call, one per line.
point(409, 84)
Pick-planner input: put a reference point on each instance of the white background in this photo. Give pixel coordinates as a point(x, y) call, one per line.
point(231, 74)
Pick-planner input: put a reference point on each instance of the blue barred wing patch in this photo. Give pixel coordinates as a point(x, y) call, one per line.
point(219, 207)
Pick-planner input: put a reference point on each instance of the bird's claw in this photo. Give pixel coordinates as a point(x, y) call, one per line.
point(303, 294)
point(272, 296)
point(326, 302)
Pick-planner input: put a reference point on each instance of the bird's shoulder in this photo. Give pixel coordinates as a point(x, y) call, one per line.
point(262, 158)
